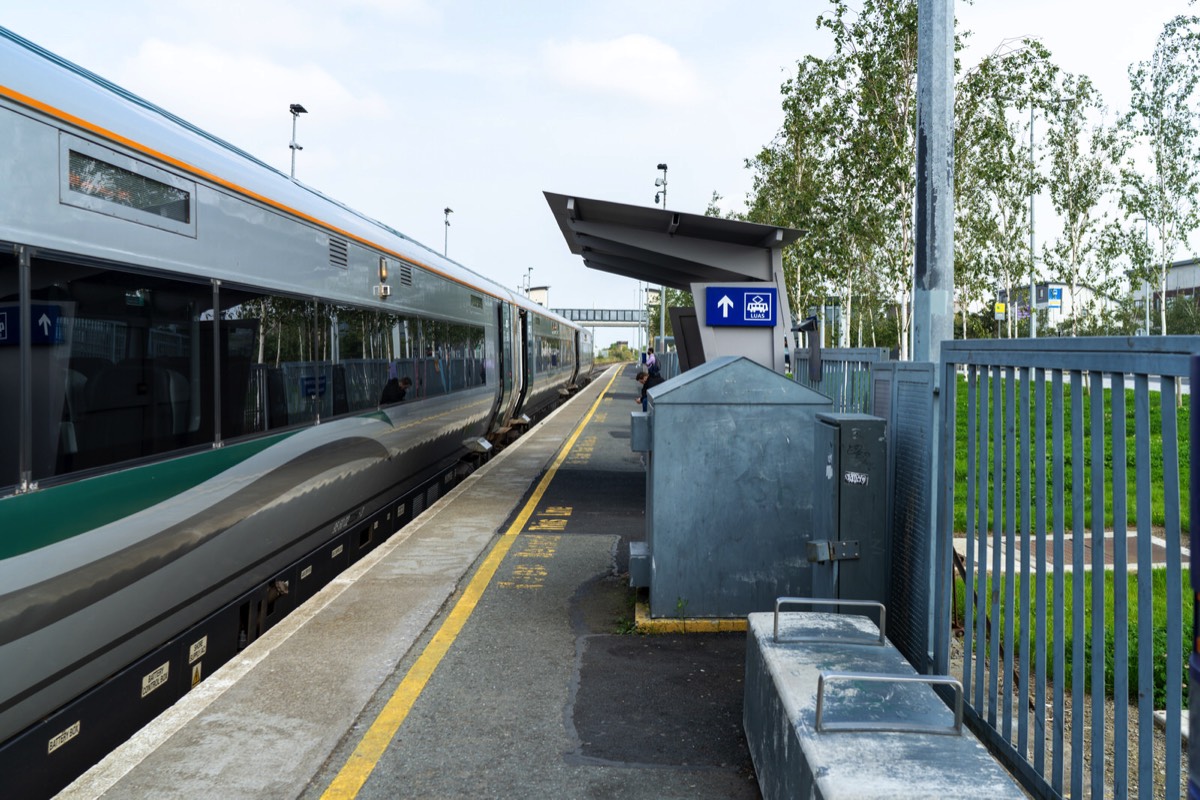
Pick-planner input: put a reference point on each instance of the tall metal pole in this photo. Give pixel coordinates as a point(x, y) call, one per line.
point(933, 279)
point(1146, 279)
point(296, 110)
point(446, 239)
point(641, 329)
point(1032, 256)
point(933, 284)
point(662, 290)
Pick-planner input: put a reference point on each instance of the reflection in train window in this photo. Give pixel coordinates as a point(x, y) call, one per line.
point(122, 366)
point(551, 347)
point(289, 361)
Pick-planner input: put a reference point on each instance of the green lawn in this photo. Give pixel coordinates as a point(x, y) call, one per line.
point(1025, 633)
point(1027, 450)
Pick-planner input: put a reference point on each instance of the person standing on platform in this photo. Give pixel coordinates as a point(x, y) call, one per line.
point(648, 382)
point(651, 362)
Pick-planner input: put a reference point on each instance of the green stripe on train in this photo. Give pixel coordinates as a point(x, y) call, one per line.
point(32, 521)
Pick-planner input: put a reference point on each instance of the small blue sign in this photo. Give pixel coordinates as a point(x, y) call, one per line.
point(740, 306)
point(312, 385)
point(1055, 297)
point(46, 326)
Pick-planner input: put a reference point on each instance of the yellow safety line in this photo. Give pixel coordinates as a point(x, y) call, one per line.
point(644, 623)
point(376, 740)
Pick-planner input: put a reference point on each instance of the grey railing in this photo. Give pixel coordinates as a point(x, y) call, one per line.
point(668, 364)
point(1051, 492)
point(845, 375)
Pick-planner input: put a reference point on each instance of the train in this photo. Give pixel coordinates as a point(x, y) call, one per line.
point(220, 387)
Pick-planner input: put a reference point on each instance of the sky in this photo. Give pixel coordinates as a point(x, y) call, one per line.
point(480, 106)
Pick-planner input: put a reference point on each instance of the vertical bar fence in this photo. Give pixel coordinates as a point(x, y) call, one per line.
point(845, 375)
point(1064, 467)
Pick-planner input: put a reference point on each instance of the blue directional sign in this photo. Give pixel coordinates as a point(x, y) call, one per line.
point(1055, 297)
point(46, 327)
point(740, 306)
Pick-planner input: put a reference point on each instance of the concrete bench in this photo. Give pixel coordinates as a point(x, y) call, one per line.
point(833, 711)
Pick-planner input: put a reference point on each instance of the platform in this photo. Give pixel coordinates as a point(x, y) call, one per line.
point(485, 650)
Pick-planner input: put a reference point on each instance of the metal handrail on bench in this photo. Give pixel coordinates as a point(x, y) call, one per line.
point(890, 727)
point(827, 601)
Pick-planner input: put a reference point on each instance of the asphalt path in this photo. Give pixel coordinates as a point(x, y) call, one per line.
point(544, 692)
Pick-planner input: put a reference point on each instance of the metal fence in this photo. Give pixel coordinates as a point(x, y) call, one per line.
point(668, 364)
point(902, 394)
point(845, 375)
point(1058, 462)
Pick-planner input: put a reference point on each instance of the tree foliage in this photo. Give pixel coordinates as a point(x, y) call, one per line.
point(994, 171)
point(842, 169)
point(1163, 186)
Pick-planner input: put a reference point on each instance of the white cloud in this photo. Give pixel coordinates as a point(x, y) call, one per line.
point(634, 65)
point(410, 10)
point(238, 87)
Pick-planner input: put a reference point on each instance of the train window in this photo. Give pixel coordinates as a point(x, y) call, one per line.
point(287, 361)
point(108, 182)
point(369, 346)
point(273, 365)
point(122, 366)
point(389, 358)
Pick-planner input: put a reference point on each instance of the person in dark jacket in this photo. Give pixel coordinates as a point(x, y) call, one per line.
point(394, 390)
point(648, 382)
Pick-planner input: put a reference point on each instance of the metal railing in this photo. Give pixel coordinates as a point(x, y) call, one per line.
point(845, 375)
point(1068, 469)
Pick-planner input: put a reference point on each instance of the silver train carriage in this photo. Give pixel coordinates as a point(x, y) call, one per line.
point(220, 387)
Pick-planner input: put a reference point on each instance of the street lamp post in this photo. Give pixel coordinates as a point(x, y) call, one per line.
point(1032, 252)
point(1146, 275)
point(662, 290)
point(1006, 50)
point(1146, 278)
point(446, 238)
point(296, 110)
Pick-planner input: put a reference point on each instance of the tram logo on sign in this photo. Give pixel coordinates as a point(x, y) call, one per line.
point(758, 307)
point(741, 306)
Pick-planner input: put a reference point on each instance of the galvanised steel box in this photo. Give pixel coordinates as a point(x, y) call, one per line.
point(729, 489)
point(849, 549)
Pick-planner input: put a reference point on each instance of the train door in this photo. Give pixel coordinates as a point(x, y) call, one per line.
point(578, 343)
point(507, 366)
point(523, 358)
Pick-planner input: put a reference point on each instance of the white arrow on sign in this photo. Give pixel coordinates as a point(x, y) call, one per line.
point(725, 304)
point(44, 322)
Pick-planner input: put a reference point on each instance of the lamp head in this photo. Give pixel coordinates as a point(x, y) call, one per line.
point(663, 167)
point(297, 109)
point(807, 326)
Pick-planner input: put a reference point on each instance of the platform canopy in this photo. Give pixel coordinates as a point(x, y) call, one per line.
point(670, 248)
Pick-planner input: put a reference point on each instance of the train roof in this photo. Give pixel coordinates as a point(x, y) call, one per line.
point(38, 79)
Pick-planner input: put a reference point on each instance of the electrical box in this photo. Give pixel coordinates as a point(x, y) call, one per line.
point(850, 541)
point(729, 485)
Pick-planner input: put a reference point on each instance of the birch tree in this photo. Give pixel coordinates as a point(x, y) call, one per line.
point(1082, 180)
point(1163, 117)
